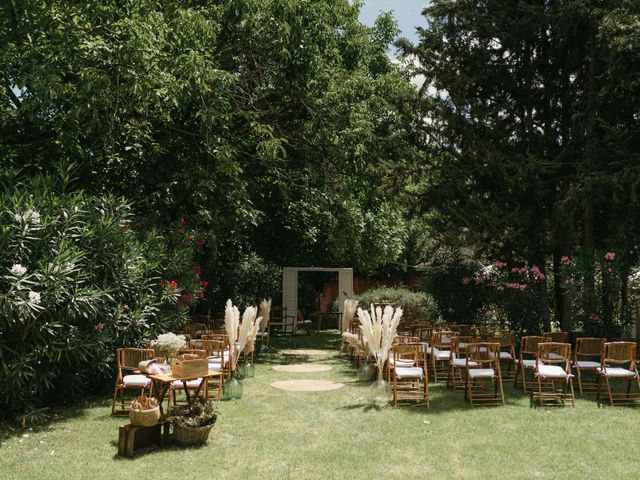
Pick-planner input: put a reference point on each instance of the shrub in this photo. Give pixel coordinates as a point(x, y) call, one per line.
point(76, 282)
point(615, 292)
point(414, 304)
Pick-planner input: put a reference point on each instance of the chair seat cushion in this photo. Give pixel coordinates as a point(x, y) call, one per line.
point(462, 362)
point(401, 362)
point(618, 372)
point(177, 384)
point(441, 354)
point(482, 373)
point(505, 356)
point(406, 372)
point(528, 363)
point(551, 371)
point(215, 364)
point(586, 364)
point(136, 381)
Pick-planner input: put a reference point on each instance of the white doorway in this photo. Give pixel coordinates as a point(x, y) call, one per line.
point(290, 287)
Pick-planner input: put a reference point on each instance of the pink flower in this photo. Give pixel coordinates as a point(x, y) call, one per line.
point(565, 260)
point(488, 312)
point(498, 264)
point(609, 256)
point(514, 270)
point(522, 286)
point(466, 280)
point(99, 326)
point(172, 284)
point(197, 271)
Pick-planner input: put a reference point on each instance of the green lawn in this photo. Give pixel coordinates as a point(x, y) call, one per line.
point(271, 434)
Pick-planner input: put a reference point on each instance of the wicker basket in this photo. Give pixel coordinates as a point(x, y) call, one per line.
point(191, 435)
point(143, 418)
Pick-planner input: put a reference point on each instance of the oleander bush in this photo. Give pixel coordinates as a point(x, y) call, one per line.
point(79, 277)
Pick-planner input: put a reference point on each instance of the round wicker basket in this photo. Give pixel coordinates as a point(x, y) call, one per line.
point(191, 435)
point(144, 418)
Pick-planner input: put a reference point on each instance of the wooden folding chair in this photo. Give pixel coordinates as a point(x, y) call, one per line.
point(619, 363)
point(441, 352)
point(458, 361)
point(128, 376)
point(553, 365)
point(483, 382)
point(587, 357)
point(527, 358)
point(409, 375)
point(507, 351)
point(557, 337)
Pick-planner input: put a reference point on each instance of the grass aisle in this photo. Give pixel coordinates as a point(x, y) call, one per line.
point(272, 434)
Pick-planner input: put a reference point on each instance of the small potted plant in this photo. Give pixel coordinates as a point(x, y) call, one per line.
point(191, 425)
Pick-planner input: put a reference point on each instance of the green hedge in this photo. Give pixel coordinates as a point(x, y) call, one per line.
point(79, 278)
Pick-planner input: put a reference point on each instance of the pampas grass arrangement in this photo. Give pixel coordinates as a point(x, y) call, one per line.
point(265, 312)
point(350, 307)
point(241, 334)
point(379, 328)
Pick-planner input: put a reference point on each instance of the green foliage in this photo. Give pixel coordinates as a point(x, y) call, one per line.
point(610, 315)
point(253, 280)
point(534, 129)
point(245, 116)
point(414, 304)
point(76, 282)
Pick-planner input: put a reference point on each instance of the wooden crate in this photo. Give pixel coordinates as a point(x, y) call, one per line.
point(132, 438)
point(191, 368)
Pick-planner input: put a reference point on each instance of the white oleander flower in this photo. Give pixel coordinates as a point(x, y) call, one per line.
point(18, 217)
point(18, 270)
point(32, 216)
point(34, 297)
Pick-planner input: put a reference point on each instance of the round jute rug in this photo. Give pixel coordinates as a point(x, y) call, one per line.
point(307, 385)
point(303, 368)
point(304, 351)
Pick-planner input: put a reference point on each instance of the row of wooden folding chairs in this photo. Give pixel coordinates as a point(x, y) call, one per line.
point(407, 370)
point(608, 361)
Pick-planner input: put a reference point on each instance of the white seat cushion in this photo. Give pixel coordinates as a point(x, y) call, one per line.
point(586, 364)
point(554, 356)
point(528, 363)
point(406, 372)
point(177, 384)
point(481, 373)
point(136, 381)
point(401, 362)
point(618, 372)
point(551, 371)
point(462, 362)
point(441, 354)
point(505, 356)
point(215, 365)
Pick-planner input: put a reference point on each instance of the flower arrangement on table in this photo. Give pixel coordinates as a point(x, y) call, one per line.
point(167, 345)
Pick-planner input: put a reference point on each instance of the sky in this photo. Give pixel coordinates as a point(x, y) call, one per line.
point(406, 13)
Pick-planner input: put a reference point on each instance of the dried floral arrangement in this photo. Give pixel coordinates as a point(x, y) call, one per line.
point(350, 307)
point(201, 414)
point(379, 329)
point(242, 333)
point(265, 313)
